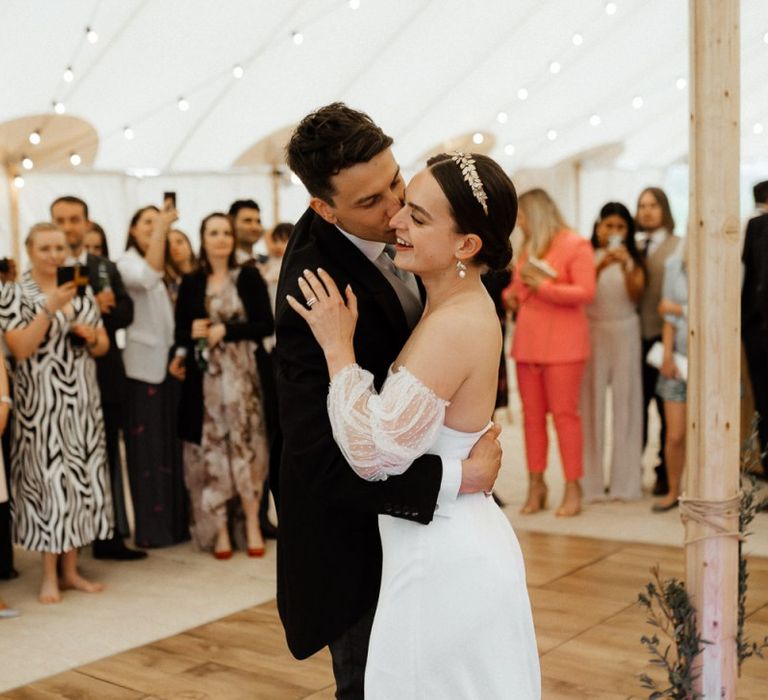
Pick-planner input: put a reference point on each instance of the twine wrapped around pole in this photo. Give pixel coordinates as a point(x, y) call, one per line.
point(700, 510)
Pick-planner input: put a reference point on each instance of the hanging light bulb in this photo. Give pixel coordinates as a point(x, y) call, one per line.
point(554, 67)
point(18, 182)
point(509, 149)
point(765, 37)
point(637, 102)
point(757, 129)
point(681, 83)
point(75, 159)
point(478, 138)
point(69, 74)
point(502, 117)
point(93, 37)
point(577, 39)
point(128, 133)
point(34, 138)
point(59, 107)
point(183, 104)
point(354, 4)
point(551, 134)
point(26, 163)
point(238, 72)
point(522, 94)
point(595, 120)
point(610, 8)
point(298, 38)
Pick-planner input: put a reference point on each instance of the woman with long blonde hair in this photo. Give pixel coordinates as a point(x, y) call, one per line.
point(554, 280)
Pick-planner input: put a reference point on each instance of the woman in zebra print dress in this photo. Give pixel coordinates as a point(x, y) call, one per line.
point(59, 476)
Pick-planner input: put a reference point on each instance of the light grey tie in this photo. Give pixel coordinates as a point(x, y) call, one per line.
point(404, 284)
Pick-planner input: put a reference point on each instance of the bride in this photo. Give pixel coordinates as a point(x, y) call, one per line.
point(453, 618)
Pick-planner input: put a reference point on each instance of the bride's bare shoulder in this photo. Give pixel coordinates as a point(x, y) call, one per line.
point(465, 322)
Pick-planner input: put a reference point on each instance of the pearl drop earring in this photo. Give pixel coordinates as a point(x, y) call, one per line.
point(462, 268)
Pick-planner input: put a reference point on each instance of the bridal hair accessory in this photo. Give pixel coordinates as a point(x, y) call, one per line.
point(462, 268)
point(466, 162)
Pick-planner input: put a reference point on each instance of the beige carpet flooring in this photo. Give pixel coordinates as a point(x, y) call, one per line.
point(177, 588)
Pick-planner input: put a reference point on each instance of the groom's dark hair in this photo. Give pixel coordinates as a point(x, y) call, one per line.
point(329, 140)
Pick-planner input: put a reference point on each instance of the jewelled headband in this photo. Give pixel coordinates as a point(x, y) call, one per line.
point(466, 162)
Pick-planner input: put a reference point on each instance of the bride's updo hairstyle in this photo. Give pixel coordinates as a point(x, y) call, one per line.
point(493, 228)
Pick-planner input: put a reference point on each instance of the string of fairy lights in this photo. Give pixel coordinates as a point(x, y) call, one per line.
point(524, 92)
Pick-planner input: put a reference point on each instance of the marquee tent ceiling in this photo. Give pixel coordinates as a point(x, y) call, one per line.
point(429, 71)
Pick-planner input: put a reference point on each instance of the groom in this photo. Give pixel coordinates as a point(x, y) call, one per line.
point(328, 550)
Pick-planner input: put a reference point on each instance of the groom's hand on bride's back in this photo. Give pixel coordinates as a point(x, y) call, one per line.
point(480, 469)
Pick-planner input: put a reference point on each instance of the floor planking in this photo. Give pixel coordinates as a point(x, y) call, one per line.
point(588, 625)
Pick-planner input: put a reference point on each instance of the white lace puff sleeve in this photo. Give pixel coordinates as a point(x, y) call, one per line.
point(381, 434)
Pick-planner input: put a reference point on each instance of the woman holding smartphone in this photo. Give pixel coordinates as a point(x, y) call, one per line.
point(59, 477)
point(554, 280)
point(152, 450)
point(614, 328)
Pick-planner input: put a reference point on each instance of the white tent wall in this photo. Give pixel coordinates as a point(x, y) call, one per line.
point(113, 198)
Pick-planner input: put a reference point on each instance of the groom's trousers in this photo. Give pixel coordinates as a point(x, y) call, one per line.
point(349, 654)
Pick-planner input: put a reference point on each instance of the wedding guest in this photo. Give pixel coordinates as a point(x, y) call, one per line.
point(59, 481)
point(6, 546)
point(249, 233)
point(152, 450)
point(223, 311)
point(96, 241)
point(70, 214)
point(246, 215)
point(276, 241)
point(654, 219)
point(181, 261)
point(672, 386)
point(754, 323)
point(614, 329)
point(553, 281)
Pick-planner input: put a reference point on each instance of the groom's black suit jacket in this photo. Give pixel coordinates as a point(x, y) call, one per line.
point(328, 549)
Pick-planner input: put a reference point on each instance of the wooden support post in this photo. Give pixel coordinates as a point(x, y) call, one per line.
point(13, 198)
point(276, 176)
point(714, 334)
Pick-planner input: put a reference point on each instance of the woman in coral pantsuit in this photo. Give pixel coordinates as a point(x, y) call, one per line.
point(554, 280)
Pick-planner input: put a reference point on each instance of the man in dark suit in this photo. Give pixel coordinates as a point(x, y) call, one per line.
point(246, 219)
point(70, 214)
point(329, 552)
point(754, 321)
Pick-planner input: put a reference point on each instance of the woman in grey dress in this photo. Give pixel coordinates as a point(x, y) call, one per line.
point(614, 328)
point(59, 474)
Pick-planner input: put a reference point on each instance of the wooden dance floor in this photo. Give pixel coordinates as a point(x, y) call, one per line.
point(583, 592)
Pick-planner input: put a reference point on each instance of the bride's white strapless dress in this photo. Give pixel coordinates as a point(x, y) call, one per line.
point(453, 620)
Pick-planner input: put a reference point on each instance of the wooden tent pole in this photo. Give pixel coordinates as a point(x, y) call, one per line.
point(712, 471)
point(13, 199)
point(275, 196)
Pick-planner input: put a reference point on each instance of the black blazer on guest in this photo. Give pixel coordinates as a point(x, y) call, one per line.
point(190, 304)
point(110, 371)
point(754, 292)
point(328, 548)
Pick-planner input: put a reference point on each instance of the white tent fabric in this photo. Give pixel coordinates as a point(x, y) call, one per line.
point(428, 71)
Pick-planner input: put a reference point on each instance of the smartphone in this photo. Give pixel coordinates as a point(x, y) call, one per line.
point(543, 266)
point(615, 240)
point(73, 273)
point(169, 196)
